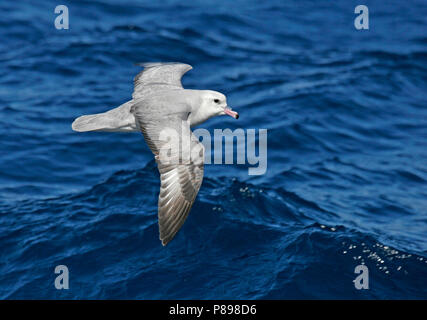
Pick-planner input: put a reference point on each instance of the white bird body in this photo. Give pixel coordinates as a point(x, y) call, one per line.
point(121, 119)
point(159, 103)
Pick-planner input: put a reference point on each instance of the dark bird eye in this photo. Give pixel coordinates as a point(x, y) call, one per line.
point(216, 100)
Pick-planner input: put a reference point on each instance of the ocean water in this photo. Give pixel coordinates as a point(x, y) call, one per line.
point(346, 180)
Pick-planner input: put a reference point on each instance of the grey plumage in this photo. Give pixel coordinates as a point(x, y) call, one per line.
point(116, 120)
point(179, 181)
point(161, 107)
point(158, 76)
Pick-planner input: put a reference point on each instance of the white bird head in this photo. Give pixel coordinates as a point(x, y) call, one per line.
point(210, 104)
point(215, 103)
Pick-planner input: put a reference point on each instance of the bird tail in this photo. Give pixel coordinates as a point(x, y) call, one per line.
point(91, 122)
point(116, 120)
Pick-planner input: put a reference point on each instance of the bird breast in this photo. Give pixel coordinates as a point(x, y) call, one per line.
point(198, 116)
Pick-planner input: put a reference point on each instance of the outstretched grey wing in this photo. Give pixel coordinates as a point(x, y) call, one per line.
point(180, 159)
point(157, 76)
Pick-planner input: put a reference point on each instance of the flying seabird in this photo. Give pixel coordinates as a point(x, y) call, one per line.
point(164, 112)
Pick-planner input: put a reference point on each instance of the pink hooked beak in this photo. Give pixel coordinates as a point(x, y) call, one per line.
point(231, 113)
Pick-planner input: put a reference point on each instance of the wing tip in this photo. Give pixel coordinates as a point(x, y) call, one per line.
point(169, 237)
point(165, 241)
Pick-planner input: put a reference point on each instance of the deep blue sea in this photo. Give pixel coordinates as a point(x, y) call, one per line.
point(346, 113)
